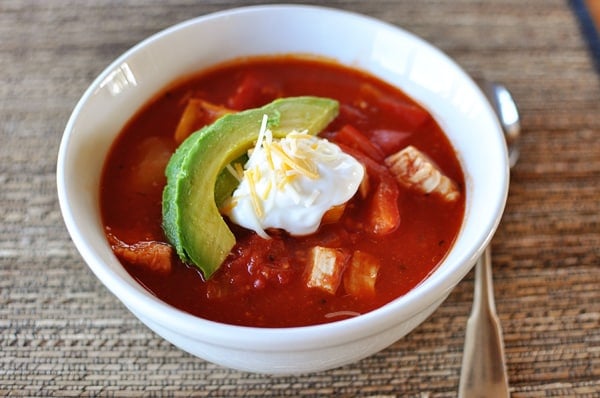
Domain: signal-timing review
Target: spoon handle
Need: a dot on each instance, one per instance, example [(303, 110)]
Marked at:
[(483, 367)]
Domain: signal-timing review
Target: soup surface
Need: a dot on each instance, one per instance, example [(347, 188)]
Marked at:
[(263, 282)]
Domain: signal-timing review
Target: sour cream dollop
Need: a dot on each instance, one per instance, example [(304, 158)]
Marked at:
[(290, 183)]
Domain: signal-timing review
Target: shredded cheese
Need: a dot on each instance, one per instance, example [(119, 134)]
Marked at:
[(239, 170), (234, 172), (251, 178), (295, 163)]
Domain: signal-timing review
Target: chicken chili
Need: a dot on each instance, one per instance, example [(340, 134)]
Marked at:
[(339, 195)]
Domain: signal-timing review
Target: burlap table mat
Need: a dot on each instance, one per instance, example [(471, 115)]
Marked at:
[(63, 334)]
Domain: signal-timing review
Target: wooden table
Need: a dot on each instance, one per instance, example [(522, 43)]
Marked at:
[(63, 334)]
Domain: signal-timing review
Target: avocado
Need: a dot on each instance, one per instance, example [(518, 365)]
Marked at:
[(196, 176)]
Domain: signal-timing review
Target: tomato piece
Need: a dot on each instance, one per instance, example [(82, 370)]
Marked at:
[(252, 92), (389, 141), (373, 168), (406, 114), (383, 215), (352, 115), (268, 262), (352, 137)]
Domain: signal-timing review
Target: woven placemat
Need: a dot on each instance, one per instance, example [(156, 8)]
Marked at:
[(63, 334)]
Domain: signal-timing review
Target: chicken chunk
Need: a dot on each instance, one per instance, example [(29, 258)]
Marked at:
[(326, 268), (361, 274), (152, 255), (414, 170)]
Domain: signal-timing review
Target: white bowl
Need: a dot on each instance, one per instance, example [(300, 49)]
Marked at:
[(389, 52)]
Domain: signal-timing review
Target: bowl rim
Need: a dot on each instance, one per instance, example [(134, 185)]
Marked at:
[(270, 339)]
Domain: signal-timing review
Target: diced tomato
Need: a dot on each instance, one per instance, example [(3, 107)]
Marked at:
[(383, 215), (352, 115), (405, 113), (373, 168), (353, 138), (256, 263), (252, 92), (268, 261), (329, 236), (389, 141)]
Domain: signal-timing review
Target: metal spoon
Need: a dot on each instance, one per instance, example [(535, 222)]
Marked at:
[(483, 371)]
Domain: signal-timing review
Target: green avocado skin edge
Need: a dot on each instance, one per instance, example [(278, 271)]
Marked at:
[(191, 218)]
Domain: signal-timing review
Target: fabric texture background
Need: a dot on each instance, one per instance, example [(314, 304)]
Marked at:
[(63, 334)]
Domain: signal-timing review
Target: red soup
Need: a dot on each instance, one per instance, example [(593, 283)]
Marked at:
[(397, 232)]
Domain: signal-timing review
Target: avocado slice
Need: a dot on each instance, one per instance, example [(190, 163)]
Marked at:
[(191, 219)]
